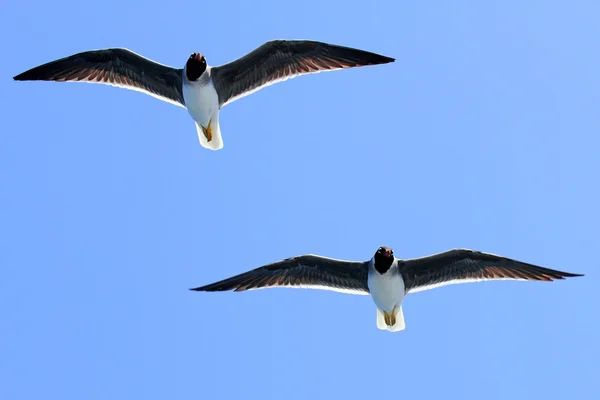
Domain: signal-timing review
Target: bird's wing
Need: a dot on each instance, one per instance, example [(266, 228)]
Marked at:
[(307, 271), (278, 60), (116, 67), (464, 266)]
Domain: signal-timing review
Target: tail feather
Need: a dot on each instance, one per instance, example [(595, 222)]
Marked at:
[(393, 321), (210, 136), (381, 320)]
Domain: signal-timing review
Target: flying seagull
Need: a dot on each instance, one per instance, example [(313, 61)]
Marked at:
[(386, 278), (201, 89)]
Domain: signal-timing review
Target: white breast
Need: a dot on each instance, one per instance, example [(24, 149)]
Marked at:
[(201, 98), (386, 290)]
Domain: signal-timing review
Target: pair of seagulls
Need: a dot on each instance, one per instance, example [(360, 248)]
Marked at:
[(386, 278), (200, 88), (203, 90)]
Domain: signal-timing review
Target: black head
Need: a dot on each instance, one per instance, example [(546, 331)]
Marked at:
[(383, 259), (195, 67)]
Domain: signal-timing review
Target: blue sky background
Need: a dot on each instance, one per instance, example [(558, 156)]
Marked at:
[(483, 134)]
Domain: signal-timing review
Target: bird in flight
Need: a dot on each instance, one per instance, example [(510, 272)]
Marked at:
[(200, 88), (386, 278)]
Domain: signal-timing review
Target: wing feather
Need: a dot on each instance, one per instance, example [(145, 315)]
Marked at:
[(307, 271), (115, 67), (278, 60), (463, 266)]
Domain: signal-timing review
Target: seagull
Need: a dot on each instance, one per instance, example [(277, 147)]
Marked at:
[(386, 278), (200, 88)]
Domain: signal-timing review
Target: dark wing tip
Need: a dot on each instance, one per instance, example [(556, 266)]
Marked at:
[(546, 274), (39, 73), (570, 275), (22, 76), (386, 60), (215, 287), (234, 283), (369, 58), (351, 54), (365, 58), (378, 60)]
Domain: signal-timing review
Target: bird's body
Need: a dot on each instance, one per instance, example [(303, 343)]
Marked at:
[(387, 291), (386, 278), (199, 87), (202, 103)]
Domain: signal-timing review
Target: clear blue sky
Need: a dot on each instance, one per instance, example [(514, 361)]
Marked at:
[(483, 134)]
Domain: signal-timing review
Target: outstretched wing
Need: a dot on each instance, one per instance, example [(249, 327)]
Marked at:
[(464, 266), (307, 271), (116, 67), (278, 60)]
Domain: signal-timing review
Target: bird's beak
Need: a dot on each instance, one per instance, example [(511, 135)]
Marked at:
[(388, 253)]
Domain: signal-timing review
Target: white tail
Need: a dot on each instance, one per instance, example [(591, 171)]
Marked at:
[(397, 320), (210, 136)]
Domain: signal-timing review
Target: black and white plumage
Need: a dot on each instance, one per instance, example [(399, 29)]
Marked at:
[(201, 89), (386, 278), (307, 271)]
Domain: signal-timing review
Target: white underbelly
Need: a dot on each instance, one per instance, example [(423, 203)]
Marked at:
[(201, 101), (386, 292)]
